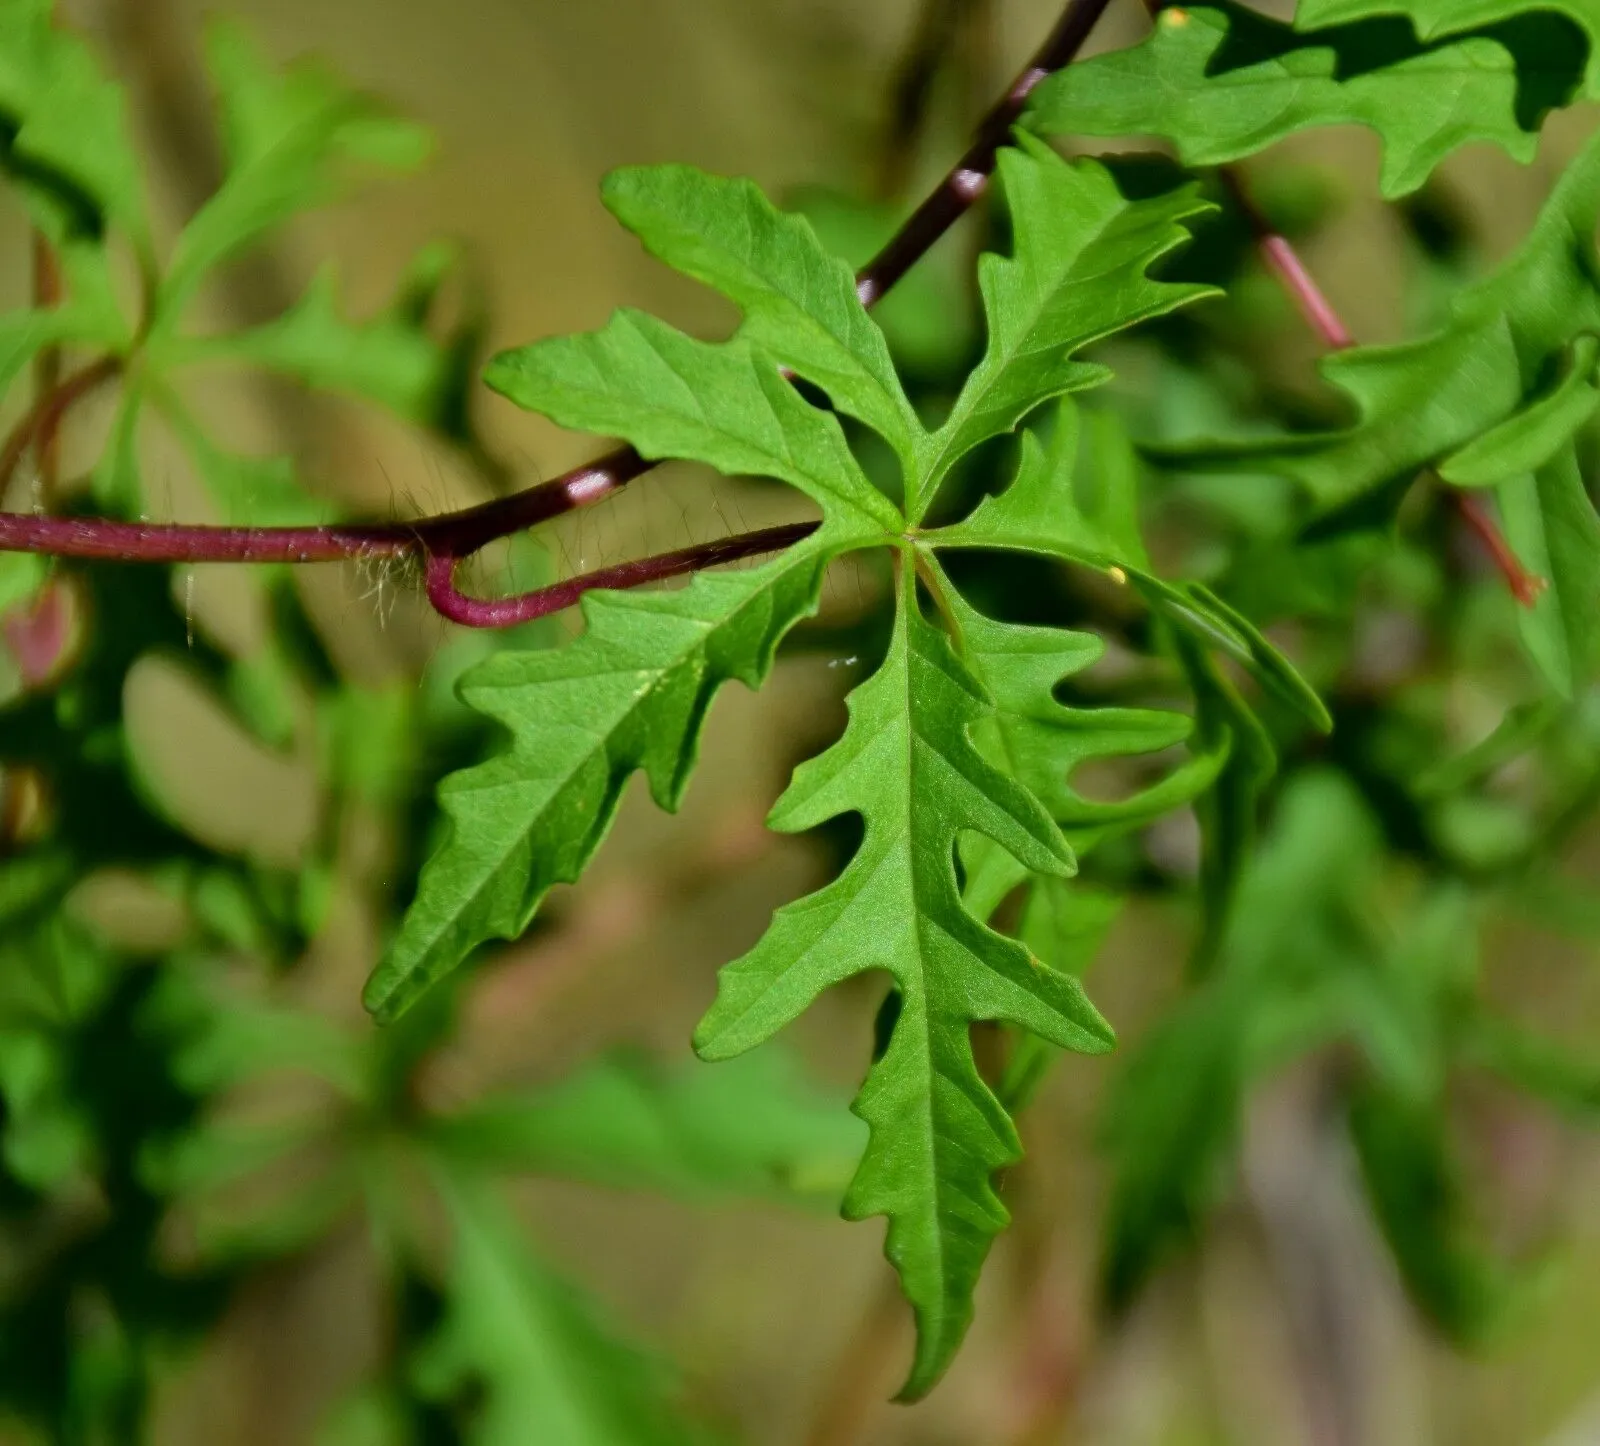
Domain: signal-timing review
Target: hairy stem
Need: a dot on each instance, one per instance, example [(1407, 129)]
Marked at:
[(444, 540), (505, 612)]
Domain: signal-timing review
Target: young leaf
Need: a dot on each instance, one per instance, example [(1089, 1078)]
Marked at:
[(1222, 82), (908, 765)]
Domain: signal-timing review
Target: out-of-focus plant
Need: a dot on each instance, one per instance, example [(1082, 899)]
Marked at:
[(1010, 794)]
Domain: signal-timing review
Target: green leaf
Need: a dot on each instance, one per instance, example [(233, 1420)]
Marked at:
[(1227, 812), (1040, 742), (1222, 82), (249, 491), (926, 319), (1194, 607), (1523, 725), (24, 334), (284, 135), (1551, 526), (526, 1353), (1528, 439), (1279, 986), (753, 1127), (799, 303), (1039, 512), (630, 694), (1537, 1066), (387, 360), (907, 763), (672, 396), (60, 113), (116, 484), (1421, 1204), (1434, 19), (1064, 922), (1105, 484), (1419, 402), (1077, 273), (1169, 1124)]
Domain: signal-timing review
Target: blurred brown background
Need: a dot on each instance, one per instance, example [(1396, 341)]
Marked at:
[(779, 1319)]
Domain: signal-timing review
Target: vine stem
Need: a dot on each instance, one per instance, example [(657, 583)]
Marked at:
[(443, 541), (506, 612)]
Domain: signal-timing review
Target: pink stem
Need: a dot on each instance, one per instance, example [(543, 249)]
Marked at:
[(1284, 262)]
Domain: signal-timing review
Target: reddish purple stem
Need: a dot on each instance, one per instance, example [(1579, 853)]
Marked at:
[(507, 611), (445, 540), (969, 177)]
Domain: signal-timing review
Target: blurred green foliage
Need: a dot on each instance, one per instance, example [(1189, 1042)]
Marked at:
[(1087, 650)]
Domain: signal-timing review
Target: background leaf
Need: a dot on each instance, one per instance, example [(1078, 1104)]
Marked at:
[(1222, 82)]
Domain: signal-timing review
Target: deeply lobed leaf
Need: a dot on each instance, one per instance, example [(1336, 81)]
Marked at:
[(672, 396), (1077, 273), (1422, 401), (631, 694), (1437, 18), (799, 302), (908, 765), (284, 135), (1222, 82)]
